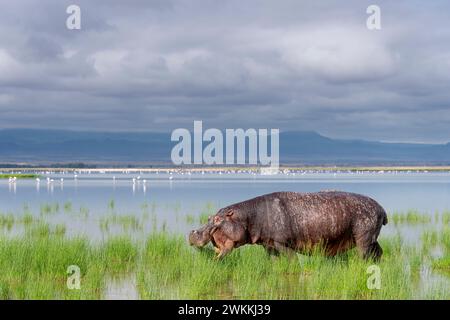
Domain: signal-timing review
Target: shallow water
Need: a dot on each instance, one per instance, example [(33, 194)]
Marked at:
[(169, 197), (88, 201), (121, 288)]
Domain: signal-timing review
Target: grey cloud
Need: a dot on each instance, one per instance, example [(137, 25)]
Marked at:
[(293, 65)]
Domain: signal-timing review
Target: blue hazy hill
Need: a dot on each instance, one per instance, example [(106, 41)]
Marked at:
[(51, 146)]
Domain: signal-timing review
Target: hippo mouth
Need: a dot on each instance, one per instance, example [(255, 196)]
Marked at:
[(193, 238)]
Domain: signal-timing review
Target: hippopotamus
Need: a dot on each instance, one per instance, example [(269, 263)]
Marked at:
[(289, 221), (211, 233)]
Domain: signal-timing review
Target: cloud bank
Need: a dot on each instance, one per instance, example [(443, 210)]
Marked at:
[(294, 65)]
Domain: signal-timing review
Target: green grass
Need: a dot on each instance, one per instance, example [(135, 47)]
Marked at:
[(68, 207), (172, 270), (49, 208), (111, 205), (439, 239), (19, 176), (34, 265), (442, 265), (127, 222), (7, 221), (412, 217), (209, 209), (446, 217), (43, 229), (190, 219)]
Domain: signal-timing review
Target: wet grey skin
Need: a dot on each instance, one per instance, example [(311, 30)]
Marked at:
[(288, 222)]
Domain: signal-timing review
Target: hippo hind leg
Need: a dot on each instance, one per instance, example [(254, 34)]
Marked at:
[(366, 236), (374, 252), (370, 251)]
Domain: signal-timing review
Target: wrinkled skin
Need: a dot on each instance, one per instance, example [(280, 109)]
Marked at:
[(218, 237), (289, 221)]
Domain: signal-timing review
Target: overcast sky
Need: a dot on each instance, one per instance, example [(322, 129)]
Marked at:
[(288, 64)]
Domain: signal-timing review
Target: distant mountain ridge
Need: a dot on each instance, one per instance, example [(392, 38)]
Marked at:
[(299, 147)]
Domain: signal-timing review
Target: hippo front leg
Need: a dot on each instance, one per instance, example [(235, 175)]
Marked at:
[(283, 249), (271, 251), (225, 249)]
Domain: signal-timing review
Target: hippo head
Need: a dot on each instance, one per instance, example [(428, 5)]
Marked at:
[(201, 236)]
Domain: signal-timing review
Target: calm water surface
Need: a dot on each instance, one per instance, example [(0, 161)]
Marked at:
[(169, 198)]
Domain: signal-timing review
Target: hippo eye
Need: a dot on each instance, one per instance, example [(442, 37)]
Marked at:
[(229, 213)]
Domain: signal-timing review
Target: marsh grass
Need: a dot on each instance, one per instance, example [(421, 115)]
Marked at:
[(43, 229), (49, 209), (68, 207), (84, 212), (170, 269), (442, 265), (446, 218), (412, 217), (34, 265), (111, 205), (190, 219), (208, 209), (127, 222), (7, 221), (440, 239)]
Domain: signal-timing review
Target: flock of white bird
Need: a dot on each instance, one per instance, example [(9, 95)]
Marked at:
[(137, 181)]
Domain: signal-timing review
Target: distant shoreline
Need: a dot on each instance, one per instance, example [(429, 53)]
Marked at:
[(223, 168)]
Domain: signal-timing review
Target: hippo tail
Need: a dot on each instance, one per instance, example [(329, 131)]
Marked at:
[(385, 219)]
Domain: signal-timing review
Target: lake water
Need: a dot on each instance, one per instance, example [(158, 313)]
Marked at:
[(175, 200)]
